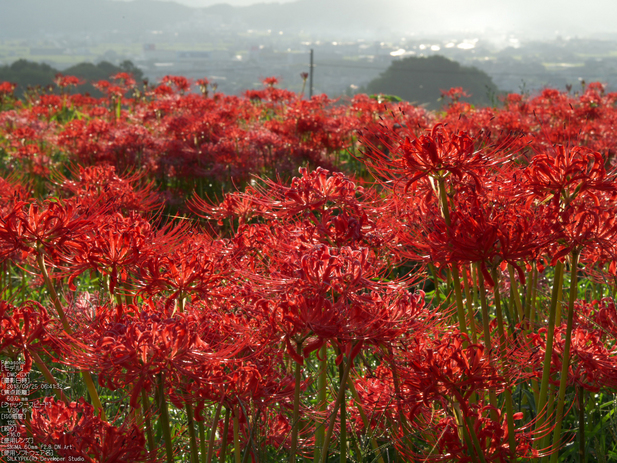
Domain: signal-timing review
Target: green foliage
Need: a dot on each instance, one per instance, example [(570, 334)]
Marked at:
[(91, 72), (421, 81), (26, 74)]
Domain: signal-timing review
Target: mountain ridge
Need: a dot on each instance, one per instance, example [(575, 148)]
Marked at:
[(25, 18)]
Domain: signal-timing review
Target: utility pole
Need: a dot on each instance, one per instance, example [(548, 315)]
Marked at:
[(311, 77)]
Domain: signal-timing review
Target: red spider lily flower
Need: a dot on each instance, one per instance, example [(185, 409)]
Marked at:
[(341, 271), (24, 330), (125, 79), (582, 225), (47, 228), (377, 395), (101, 185), (492, 438), (74, 431), (454, 94), (98, 141), (237, 204), (179, 83), (197, 267), (117, 245), (314, 314), (383, 317), (67, 81), (130, 345), (489, 229), (110, 90), (331, 207), (593, 357), (445, 368), (593, 363), (270, 81), (565, 173), (315, 189), (203, 81), (434, 154), (279, 429), (603, 316), (6, 89), (203, 86), (12, 191), (256, 381)]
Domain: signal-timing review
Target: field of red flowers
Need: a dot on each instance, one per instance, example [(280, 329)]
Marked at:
[(198, 277)]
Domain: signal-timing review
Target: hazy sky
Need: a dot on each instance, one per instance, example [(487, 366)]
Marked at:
[(199, 3), (545, 17)]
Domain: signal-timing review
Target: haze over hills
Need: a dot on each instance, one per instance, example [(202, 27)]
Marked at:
[(27, 18), (347, 18)]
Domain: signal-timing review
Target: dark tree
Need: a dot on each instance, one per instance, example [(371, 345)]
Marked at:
[(422, 80)]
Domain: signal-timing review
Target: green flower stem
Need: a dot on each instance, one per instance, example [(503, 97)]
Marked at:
[(552, 393), (117, 296), (339, 398), (322, 378), (192, 436), (565, 364), (164, 414), (52, 293), (356, 446), (475, 440), (180, 302), (96, 402), (212, 437), (203, 450), (343, 419), (356, 397), (128, 297), (397, 390), (498, 313), (448, 290), (487, 342), (541, 404), (581, 425), (463, 432), (528, 290), (225, 432), (145, 407), (456, 279), (49, 377), (237, 450), (433, 271), (459, 299), (296, 407), (533, 299), (470, 311), (559, 302), (249, 446), (503, 351), (516, 295)]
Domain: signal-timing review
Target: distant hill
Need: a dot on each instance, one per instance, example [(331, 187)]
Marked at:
[(421, 81), (28, 74)]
